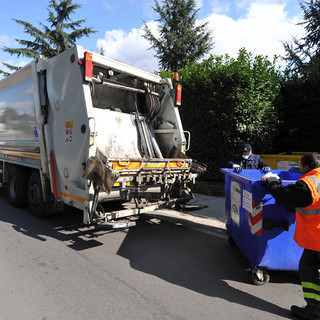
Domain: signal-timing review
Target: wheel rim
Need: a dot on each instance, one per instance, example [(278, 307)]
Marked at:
[(257, 281)]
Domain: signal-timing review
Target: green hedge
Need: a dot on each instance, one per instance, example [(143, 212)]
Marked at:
[(226, 101), (299, 110)]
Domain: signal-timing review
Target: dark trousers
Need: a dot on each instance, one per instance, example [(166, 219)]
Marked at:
[(309, 272)]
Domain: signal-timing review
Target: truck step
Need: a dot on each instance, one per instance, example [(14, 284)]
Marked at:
[(116, 225)]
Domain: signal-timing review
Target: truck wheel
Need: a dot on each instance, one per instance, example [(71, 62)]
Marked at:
[(17, 186), (37, 206)]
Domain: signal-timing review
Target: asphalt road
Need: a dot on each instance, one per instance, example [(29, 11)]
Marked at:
[(59, 269)]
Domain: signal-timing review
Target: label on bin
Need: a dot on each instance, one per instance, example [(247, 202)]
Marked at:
[(235, 197), (247, 200)]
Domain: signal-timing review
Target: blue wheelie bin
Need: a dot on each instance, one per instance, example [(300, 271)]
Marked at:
[(257, 225)]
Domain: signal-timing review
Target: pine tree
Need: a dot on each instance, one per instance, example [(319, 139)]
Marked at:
[(303, 54), (61, 34), (180, 37)]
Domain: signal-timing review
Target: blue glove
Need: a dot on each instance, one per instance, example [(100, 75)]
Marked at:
[(266, 169), (238, 169)]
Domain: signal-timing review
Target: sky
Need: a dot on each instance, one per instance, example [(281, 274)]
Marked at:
[(260, 26)]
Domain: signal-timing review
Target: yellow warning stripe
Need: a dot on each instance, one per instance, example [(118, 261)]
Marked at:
[(72, 197), (136, 165), (117, 184), (177, 164), (154, 165), (130, 165), (21, 154), (172, 164)]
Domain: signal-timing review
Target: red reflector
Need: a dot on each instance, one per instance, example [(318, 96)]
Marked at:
[(178, 95), (88, 68), (53, 176)]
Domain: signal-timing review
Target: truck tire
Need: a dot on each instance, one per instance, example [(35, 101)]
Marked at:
[(17, 186), (37, 206)]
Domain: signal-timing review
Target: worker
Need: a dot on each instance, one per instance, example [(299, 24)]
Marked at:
[(304, 197), (247, 160)]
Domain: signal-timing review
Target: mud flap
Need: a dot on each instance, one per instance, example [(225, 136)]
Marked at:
[(100, 175)]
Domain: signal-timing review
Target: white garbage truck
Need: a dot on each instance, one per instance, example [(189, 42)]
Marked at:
[(81, 129)]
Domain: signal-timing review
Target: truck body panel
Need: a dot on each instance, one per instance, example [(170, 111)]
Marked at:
[(55, 118)]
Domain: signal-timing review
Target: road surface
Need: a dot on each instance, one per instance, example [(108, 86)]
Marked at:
[(59, 269)]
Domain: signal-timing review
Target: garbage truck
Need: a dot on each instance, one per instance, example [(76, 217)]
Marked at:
[(81, 130)]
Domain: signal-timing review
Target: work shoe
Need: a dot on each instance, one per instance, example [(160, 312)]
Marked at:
[(304, 313)]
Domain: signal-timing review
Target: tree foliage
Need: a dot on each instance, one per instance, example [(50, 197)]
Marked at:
[(303, 55), (61, 34), (226, 101), (180, 37), (299, 112), (300, 96)]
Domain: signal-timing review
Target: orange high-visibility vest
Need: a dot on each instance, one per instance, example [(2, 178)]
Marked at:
[(307, 234)]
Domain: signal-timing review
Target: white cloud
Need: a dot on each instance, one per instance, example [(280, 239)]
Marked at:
[(130, 47), (261, 31), (109, 5), (220, 8), (18, 63), (199, 4), (242, 4), (5, 40)]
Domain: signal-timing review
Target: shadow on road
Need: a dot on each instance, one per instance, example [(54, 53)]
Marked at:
[(66, 227), (192, 259), (195, 260)]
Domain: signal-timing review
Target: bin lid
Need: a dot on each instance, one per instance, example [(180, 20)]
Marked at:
[(253, 176)]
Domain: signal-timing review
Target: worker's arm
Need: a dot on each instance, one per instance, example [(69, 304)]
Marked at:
[(236, 160), (292, 195), (261, 163)]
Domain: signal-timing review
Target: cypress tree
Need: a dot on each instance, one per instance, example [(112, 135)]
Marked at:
[(180, 37)]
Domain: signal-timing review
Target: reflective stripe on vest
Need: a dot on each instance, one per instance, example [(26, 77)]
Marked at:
[(308, 212), (311, 290)]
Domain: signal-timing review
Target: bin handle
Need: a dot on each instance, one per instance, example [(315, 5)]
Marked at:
[(269, 224)]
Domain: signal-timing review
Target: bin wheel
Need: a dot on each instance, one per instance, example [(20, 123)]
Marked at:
[(260, 277), (231, 241)]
